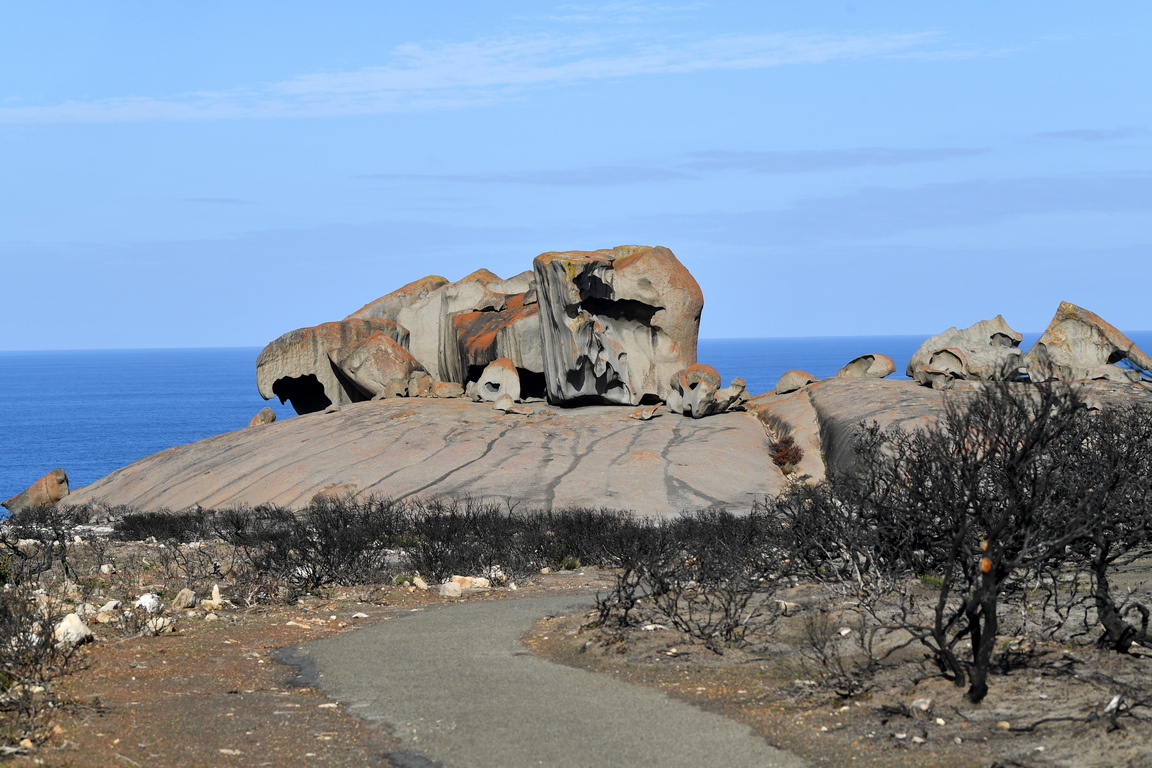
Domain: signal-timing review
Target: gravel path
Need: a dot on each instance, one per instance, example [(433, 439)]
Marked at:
[(458, 689)]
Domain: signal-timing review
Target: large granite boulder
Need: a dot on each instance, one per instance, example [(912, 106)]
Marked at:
[(296, 367), (617, 324), (790, 381), (428, 320), (388, 307), (43, 493), (1079, 344), (986, 351), (375, 363)]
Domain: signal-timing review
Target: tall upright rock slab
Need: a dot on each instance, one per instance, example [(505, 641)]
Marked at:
[(616, 324)]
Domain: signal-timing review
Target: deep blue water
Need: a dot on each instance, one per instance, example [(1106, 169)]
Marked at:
[(94, 411)]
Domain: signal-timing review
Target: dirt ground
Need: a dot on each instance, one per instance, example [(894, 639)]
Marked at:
[(211, 693)]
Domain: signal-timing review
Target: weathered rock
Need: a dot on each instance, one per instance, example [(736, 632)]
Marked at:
[(506, 404), (478, 338), (158, 625), (44, 492), (184, 600), (500, 378), (149, 602), (419, 583), (1079, 344), (521, 283), (447, 389), (297, 369), (697, 392), (616, 324), (71, 631), (374, 363), (590, 457), (392, 388), (792, 415), (985, 351), (472, 582), (420, 384), (265, 416), (429, 322), (451, 589), (215, 602), (107, 569), (871, 366), (388, 307), (645, 414), (791, 381)]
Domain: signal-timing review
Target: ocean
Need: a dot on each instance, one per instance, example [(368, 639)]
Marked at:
[(94, 411)]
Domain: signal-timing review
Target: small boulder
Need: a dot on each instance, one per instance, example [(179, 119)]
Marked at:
[(500, 378), (149, 602), (472, 582), (871, 366), (645, 414), (451, 589), (419, 583), (420, 384), (265, 416), (506, 404), (158, 625), (44, 492), (184, 600), (794, 380), (447, 389), (71, 631)]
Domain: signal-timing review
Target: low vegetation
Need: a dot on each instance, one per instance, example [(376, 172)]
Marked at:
[(1017, 521)]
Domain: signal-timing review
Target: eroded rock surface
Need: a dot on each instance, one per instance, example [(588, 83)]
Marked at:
[(499, 379), (44, 492), (616, 324), (389, 306), (1079, 344), (986, 351), (696, 392), (296, 367), (593, 456), (790, 381)]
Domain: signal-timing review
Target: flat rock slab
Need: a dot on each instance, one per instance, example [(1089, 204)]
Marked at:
[(458, 689), (593, 457)]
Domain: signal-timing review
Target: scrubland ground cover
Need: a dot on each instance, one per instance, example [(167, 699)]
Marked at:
[(970, 594)]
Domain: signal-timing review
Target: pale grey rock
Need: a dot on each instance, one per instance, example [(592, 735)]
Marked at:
[(499, 379), (451, 589), (419, 583), (791, 381), (617, 324), (521, 283), (870, 366), (184, 600), (158, 625), (1080, 345), (645, 414), (506, 404), (447, 389), (698, 392), (985, 351)]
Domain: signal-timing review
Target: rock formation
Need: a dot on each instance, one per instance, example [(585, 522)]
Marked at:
[(874, 366), (1079, 344), (616, 324), (44, 492), (986, 351), (498, 380), (374, 363), (297, 368), (388, 307), (696, 392), (791, 381)]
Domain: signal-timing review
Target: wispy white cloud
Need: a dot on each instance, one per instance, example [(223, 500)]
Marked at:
[(421, 77)]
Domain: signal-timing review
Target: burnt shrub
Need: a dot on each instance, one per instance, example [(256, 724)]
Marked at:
[(37, 538), (165, 526)]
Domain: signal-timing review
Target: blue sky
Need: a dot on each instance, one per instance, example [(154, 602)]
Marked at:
[(217, 174)]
